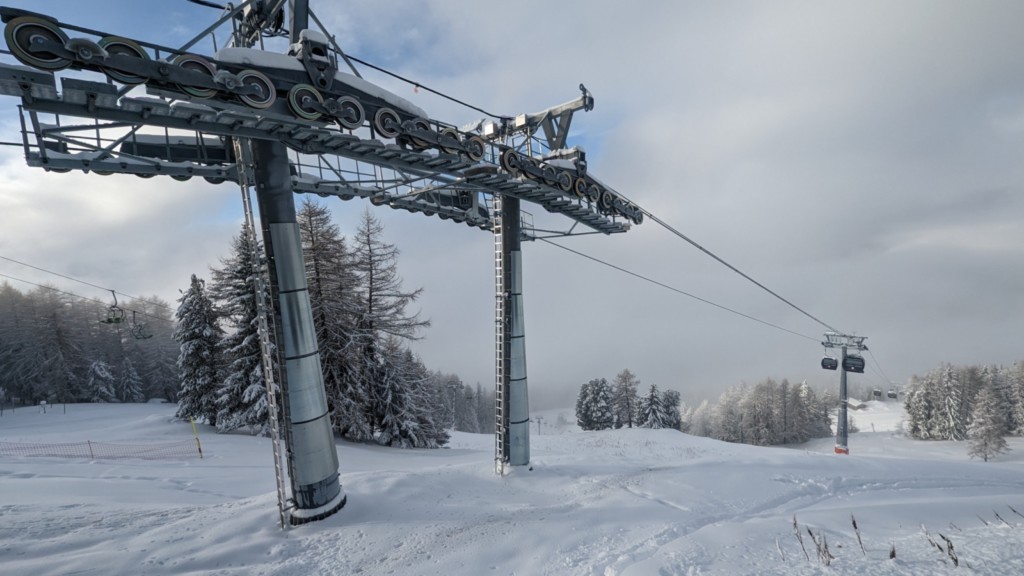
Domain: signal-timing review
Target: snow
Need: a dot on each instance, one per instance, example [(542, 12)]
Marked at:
[(616, 502)]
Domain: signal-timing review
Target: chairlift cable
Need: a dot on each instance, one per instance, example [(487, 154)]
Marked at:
[(86, 298), (428, 89), (684, 293), (879, 366), (731, 267), (157, 304)]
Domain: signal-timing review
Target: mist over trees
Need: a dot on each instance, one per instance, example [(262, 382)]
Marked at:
[(205, 353), (58, 347)]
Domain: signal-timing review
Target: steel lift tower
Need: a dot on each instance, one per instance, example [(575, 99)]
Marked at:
[(847, 363), (294, 122)]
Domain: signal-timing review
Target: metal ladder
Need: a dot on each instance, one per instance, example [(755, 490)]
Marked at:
[(243, 156), (501, 339)]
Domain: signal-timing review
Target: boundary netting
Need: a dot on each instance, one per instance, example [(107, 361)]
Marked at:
[(99, 450)]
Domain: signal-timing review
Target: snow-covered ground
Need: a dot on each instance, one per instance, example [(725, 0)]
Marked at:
[(593, 503)]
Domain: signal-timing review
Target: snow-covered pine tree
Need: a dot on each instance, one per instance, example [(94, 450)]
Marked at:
[(624, 398), (199, 360), (670, 404), (242, 399), (919, 407), (997, 379), (987, 427), (950, 423), (100, 383), (485, 409), (129, 385), (336, 306), (651, 413), (593, 405), (403, 403), (1015, 381), (466, 418)]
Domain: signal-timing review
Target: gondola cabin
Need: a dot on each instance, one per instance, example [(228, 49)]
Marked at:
[(854, 364), (829, 363)]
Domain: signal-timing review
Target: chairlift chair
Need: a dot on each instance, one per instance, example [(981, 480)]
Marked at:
[(139, 330), (115, 314)]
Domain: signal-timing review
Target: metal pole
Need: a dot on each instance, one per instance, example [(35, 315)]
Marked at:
[(519, 404), (299, 18), (313, 457), (841, 427)]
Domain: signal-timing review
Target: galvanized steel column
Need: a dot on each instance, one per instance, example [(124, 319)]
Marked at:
[(841, 422), (313, 457), (519, 403)]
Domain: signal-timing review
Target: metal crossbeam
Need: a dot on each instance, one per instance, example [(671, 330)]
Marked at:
[(94, 101)]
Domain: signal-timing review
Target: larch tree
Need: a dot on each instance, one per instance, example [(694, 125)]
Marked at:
[(624, 398), (334, 299), (199, 359), (380, 314)]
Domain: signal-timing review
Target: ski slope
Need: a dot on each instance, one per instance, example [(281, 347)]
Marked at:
[(625, 502)]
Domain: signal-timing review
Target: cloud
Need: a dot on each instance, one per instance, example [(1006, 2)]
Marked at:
[(860, 159)]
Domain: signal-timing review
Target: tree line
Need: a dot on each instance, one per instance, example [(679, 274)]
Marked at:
[(377, 388), (766, 414), (601, 405), (981, 404), (58, 347)]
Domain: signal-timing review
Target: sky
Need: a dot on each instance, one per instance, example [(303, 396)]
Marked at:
[(863, 160)]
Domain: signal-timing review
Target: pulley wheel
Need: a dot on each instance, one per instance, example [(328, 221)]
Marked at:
[(579, 186), (181, 177), (532, 162), (475, 147), (449, 140), (564, 181), (262, 93), (418, 143), (594, 193), (387, 123), (638, 216), (116, 46), (350, 113), (606, 200), (301, 99), (23, 32), (196, 64), (510, 161), (550, 175)]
